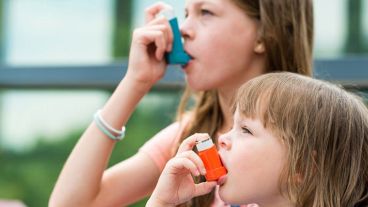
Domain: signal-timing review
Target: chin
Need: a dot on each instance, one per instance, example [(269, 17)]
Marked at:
[(230, 197), (225, 195), (196, 86)]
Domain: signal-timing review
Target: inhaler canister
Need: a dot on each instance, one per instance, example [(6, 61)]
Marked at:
[(177, 55), (208, 153)]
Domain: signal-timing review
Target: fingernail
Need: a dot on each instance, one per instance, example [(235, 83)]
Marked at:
[(203, 170)]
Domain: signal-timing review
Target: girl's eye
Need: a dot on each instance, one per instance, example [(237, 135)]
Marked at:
[(205, 12), (246, 130)]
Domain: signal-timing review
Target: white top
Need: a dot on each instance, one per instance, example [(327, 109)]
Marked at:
[(168, 13), (204, 144)]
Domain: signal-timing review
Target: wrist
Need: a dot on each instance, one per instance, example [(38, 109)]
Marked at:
[(153, 202), (136, 84)]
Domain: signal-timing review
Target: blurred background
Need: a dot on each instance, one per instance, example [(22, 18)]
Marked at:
[(60, 61)]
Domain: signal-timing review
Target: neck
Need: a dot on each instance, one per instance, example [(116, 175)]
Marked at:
[(279, 203), (227, 92), (276, 200), (226, 99)]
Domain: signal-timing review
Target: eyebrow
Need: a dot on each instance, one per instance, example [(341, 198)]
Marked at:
[(198, 4)]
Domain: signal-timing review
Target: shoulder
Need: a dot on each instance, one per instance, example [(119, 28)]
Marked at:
[(162, 146), (173, 132)]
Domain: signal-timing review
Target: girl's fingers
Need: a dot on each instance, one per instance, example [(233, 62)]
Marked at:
[(155, 33), (165, 26), (192, 156), (181, 162), (204, 188), (190, 142), (166, 30), (145, 38), (160, 43), (153, 10)]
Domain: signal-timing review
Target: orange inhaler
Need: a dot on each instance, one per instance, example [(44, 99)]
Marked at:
[(208, 153)]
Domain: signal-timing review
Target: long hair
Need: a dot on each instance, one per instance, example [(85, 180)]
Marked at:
[(325, 131), (286, 30)]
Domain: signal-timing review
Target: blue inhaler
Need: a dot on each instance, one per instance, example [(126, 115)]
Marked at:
[(177, 55)]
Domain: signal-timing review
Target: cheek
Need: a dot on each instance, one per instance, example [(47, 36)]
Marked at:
[(239, 177), (240, 162), (226, 48), (229, 45), (250, 163), (239, 52), (223, 57), (223, 61)]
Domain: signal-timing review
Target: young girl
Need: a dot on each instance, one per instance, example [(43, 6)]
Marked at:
[(295, 141), (230, 42)]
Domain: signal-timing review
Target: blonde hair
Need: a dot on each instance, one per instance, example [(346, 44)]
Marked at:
[(286, 30), (325, 130)]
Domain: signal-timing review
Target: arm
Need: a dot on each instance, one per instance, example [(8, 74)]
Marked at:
[(81, 177), (82, 181)]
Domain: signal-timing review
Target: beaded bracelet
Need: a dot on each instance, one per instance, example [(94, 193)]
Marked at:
[(109, 131)]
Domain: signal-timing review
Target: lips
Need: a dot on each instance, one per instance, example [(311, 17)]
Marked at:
[(222, 160), (222, 180), (190, 55), (191, 59)]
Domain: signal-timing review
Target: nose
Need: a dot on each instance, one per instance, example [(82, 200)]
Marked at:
[(225, 141), (186, 29)]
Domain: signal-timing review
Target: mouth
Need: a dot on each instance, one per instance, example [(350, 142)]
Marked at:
[(187, 64), (191, 59), (222, 180), (222, 160), (188, 53)]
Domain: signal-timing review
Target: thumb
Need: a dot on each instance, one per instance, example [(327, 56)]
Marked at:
[(204, 188)]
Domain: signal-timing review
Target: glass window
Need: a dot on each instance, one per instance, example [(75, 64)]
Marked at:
[(365, 23), (57, 32), (330, 27), (26, 115)]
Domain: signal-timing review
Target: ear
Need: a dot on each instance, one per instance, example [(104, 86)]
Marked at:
[(259, 47), (299, 177)]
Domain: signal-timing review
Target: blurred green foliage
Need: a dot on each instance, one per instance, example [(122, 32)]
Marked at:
[(2, 45), (30, 176), (122, 28), (355, 42)]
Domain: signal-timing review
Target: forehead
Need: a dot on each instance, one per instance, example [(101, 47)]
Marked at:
[(205, 2), (239, 116)]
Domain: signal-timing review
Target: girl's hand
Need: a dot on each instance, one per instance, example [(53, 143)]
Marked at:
[(149, 43), (176, 184)]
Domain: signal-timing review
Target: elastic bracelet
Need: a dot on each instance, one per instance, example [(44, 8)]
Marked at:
[(109, 131)]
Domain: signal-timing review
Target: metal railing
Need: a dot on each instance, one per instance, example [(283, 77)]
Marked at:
[(349, 72)]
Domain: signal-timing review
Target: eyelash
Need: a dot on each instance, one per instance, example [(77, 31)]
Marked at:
[(201, 11), (246, 130), (205, 12)]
